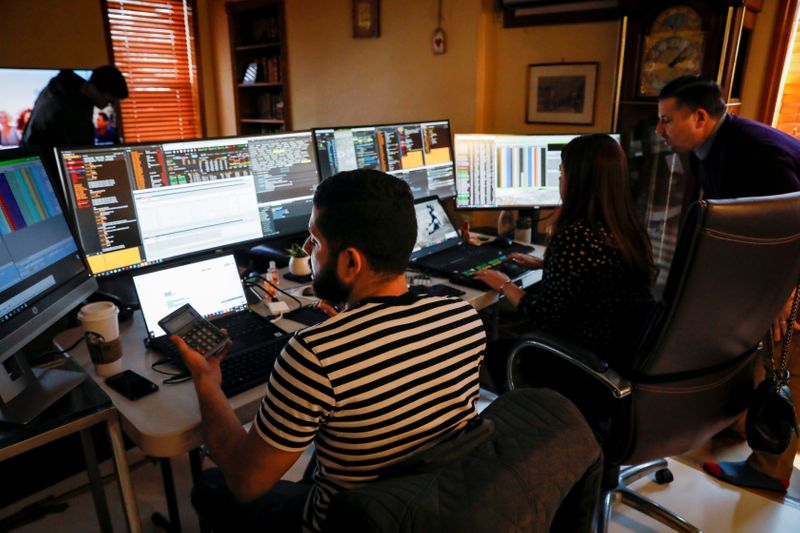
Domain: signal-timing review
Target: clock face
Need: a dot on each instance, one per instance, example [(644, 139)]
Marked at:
[(674, 47)]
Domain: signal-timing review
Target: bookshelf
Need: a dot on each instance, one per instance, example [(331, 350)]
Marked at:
[(258, 58)]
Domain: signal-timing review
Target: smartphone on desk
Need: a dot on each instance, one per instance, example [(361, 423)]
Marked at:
[(200, 334), (131, 385)]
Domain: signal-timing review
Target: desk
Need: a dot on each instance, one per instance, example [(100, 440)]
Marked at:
[(82, 408), (167, 423)]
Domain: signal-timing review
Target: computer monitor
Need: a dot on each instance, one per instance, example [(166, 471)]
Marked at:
[(419, 153), (509, 171), (42, 276), (140, 204), (19, 88)]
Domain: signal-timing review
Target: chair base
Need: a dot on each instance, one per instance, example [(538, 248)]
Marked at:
[(638, 502)]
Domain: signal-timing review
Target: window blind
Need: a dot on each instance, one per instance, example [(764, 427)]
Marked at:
[(153, 45)]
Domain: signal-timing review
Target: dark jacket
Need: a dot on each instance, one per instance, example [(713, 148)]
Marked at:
[(61, 116), (748, 159), (538, 470)]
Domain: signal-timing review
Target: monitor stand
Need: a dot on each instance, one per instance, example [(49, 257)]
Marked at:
[(120, 291), (25, 392), (534, 215)]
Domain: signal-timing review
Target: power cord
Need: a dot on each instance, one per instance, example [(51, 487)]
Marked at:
[(262, 278), (65, 351)]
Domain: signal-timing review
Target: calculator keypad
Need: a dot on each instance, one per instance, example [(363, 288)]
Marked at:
[(204, 339)]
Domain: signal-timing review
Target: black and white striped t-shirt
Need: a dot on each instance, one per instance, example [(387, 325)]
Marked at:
[(372, 386)]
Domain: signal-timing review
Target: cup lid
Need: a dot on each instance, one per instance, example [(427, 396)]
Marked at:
[(98, 311)]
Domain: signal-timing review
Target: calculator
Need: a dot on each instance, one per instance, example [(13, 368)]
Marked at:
[(200, 334)]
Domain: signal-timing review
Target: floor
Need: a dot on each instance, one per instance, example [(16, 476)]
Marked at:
[(708, 504)]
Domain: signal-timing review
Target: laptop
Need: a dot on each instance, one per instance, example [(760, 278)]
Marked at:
[(441, 250), (212, 286)]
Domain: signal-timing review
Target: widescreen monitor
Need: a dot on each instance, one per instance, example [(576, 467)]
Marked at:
[(137, 205), (419, 153), (19, 88), (509, 171), (42, 276)]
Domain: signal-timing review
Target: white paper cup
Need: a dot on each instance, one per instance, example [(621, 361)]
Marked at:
[(100, 318)]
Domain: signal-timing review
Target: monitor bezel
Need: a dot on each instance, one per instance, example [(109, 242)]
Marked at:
[(410, 122), (233, 247), (526, 207), (33, 388)]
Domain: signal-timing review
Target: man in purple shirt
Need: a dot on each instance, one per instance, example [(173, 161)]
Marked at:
[(733, 157)]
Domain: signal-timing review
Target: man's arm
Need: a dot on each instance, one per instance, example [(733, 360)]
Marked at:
[(250, 465)]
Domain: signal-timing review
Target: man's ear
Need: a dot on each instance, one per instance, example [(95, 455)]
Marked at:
[(702, 118), (350, 263)]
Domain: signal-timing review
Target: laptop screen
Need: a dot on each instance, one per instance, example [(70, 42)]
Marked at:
[(433, 225), (211, 286)]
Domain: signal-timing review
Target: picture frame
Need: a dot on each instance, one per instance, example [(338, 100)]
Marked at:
[(366, 19), (561, 93)]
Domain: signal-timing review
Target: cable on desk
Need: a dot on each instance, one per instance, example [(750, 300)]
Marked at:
[(262, 278), (174, 377), (65, 351)]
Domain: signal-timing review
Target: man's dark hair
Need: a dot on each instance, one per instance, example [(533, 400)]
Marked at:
[(370, 211), (104, 115), (695, 92), (108, 79)]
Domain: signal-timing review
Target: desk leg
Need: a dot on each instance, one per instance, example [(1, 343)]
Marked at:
[(196, 465), (173, 522), (96, 482), (123, 475)]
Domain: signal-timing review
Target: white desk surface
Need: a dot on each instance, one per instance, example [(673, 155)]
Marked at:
[(167, 422)]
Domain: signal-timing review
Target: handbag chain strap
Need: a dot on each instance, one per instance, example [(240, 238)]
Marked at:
[(780, 374)]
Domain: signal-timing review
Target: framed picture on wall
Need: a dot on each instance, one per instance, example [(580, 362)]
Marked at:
[(366, 18), (561, 93)]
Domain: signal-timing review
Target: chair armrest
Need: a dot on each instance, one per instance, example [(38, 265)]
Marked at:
[(586, 360)]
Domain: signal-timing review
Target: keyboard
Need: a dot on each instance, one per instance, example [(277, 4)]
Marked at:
[(241, 370), (244, 370)]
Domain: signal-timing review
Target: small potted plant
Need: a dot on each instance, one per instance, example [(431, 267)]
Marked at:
[(299, 261), (522, 232)]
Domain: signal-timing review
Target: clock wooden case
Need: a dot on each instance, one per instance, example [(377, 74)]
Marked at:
[(660, 41)]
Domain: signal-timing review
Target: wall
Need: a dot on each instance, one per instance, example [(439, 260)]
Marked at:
[(337, 80), (52, 34), (516, 48), (479, 84)]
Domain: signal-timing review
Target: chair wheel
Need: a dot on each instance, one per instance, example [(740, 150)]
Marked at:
[(664, 476)]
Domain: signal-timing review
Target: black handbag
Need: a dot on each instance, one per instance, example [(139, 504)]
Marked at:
[(771, 418)]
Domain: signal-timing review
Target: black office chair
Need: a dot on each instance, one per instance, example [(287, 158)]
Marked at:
[(532, 465), (736, 263)]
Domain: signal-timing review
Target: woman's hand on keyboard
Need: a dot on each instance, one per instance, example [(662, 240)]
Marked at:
[(528, 261), (198, 365)]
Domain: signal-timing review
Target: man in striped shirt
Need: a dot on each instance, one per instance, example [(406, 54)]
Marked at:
[(390, 376)]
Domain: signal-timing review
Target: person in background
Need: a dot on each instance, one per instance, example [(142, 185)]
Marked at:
[(391, 375), (104, 132), (8, 133), (598, 268), (22, 120), (733, 157), (63, 112)]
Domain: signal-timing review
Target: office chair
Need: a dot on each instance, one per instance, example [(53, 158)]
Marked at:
[(692, 374), (531, 465)]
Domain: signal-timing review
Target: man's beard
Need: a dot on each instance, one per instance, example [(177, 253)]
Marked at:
[(327, 285)]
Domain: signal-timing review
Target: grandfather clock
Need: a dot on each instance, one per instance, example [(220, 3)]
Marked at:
[(659, 41)]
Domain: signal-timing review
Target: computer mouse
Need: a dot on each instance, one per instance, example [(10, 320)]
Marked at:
[(501, 242)]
